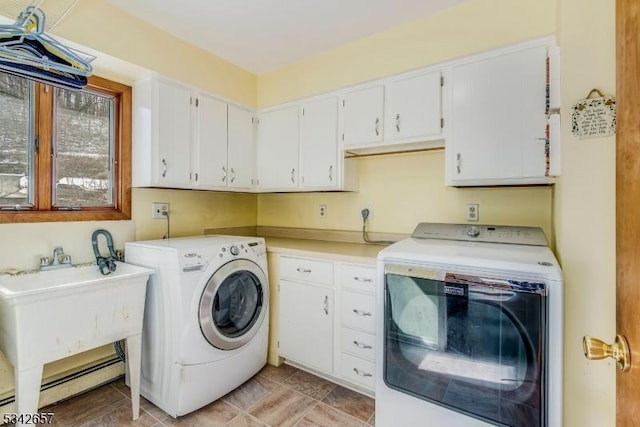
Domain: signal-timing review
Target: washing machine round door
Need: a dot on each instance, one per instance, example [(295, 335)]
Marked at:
[(233, 304)]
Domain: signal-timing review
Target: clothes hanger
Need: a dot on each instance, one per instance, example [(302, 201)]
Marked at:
[(25, 50)]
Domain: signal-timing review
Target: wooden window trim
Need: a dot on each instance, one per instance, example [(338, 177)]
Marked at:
[(43, 211)]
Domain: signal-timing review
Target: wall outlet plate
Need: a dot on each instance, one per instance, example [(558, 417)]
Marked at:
[(322, 211), (157, 210), (473, 212)]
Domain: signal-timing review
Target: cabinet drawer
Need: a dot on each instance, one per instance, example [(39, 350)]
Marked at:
[(359, 371), (358, 311), (308, 270), (359, 277), (359, 343)]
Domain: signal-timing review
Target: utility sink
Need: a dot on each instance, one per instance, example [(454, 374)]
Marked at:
[(49, 315)]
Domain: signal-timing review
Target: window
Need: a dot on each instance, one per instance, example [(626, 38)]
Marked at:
[(65, 155)]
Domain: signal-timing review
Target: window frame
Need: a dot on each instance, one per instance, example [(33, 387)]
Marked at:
[(43, 209)]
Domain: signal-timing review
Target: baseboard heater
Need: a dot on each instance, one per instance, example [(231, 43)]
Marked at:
[(72, 384)]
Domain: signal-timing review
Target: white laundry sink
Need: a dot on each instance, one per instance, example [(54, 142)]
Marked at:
[(49, 315)]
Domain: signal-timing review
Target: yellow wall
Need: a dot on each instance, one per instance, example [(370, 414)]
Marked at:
[(191, 211), (585, 213), (471, 27), (405, 190), (402, 190)]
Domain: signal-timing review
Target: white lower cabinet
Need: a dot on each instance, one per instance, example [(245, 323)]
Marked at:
[(306, 324), (327, 318)]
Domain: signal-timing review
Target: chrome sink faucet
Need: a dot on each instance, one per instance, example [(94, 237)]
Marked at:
[(58, 260)]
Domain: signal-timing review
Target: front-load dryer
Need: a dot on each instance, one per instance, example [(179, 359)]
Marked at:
[(206, 319)]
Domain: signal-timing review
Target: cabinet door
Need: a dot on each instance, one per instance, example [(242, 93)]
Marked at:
[(306, 325), (413, 107), (498, 118), (241, 148), (278, 137), (173, 137), (319, 144), (363, 111), (210, 154)]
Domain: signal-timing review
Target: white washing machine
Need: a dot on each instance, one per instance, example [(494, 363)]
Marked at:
[(206, 319)]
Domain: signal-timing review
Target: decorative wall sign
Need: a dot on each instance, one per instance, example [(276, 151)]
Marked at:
[(594, 117)]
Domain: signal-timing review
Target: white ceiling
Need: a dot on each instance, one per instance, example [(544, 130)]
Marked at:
[(262, 35)]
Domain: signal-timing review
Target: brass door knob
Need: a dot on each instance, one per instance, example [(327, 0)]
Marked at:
[(596, 349)]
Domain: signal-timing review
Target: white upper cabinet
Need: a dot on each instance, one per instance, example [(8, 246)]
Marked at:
[(241, 148), (161, 134), (210, 144), (319, 144), (413, 108), (363, 111), (277, 149), (498, 120), (186, 138)]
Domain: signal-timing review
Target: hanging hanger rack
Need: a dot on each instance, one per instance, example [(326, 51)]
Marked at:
[(27, 51)]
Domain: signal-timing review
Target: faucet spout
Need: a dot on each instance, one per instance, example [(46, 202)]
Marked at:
[(58, 260), (57, 253)]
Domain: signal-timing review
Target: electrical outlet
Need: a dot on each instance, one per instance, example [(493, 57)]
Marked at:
[(368, 213), (473, 212), (322, 211), (157, 210)]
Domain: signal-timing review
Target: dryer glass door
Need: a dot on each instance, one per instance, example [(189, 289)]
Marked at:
[(475, 345), (233, 304)]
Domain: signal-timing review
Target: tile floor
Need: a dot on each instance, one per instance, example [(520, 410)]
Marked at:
[(282, 396)]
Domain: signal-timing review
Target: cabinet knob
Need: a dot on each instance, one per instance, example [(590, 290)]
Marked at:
[(398, 122), (224, 174), (331, 173), (458, 162), (377, 126), (293, 175), (233, 175), (326, 305), (164, 168)]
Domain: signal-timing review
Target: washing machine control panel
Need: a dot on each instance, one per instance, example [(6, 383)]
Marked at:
[(253, 248)]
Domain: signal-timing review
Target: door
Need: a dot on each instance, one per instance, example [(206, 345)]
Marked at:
[(278, 138), (319, 144), (413, 107), (233, 304), (210, 153), (241, 148), (628, 204), (627, 224), (363, 110), (306, 325), (173, 134)]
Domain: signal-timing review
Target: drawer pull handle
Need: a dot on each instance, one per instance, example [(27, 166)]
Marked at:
[(362, 373), (362, 279), (363, 346), (326, 304), (362, 313), (303, 270)]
